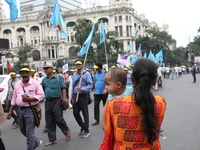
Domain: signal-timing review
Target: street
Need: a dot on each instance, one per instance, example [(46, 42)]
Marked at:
[(180, 127)]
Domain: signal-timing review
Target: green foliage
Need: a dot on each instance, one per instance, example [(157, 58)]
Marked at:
[(156, 40), (97, 52), (24, 52)]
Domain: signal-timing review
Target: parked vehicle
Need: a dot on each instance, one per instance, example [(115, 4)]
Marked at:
[(4, 86)]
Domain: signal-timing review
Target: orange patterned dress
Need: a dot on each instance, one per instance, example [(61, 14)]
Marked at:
[(123, 125)]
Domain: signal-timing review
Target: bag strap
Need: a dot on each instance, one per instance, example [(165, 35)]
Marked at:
[(58, 80), (76, 82), (25, 92)]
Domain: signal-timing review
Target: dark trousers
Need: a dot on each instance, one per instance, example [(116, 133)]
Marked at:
[(97, 99), (8, 105), (27, 127), (54, 116), (82, 105), (160, 81), (194, 77), (2, 147)]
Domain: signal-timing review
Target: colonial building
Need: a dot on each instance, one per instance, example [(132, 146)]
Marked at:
[(48, 46)]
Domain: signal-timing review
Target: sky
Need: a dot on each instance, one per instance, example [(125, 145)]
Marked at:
[(182, 16)]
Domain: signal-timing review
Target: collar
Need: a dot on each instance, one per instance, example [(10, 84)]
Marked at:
[(29, 82)]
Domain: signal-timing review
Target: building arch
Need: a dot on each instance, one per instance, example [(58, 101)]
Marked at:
[(7, 31), (72, 54), (35, 28), (36, 55), (21, 29), (105, 20), (71, 24)]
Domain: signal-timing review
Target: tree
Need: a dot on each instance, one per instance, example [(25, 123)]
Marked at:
[(23, 53), (156, 40), (96, 52)]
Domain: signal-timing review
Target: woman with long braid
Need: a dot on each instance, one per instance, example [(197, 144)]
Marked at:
[(134, 122)]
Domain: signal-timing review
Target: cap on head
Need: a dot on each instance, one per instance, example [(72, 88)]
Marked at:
[(95, 67), (125, 69), (12, 73), (48, 65), (78, 62), (32, 70), (24, 69)]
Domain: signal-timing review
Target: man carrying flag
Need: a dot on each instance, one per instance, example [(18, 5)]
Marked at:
[(57, 20)]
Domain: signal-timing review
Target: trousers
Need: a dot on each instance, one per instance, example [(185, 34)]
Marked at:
[(53, 117), (27, 127), (97, 99), (82, 105)]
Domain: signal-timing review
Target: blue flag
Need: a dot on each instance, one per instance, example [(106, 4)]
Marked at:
[(102, 33), (13, 9), (159, 57), (57, 20), (139, 50), (151, 56), (129, 46), (145, 55), (87, 43)]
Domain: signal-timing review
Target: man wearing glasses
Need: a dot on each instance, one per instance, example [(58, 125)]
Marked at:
[(27, 91)]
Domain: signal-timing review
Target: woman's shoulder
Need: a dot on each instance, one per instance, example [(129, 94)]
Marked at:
[(159, 99)]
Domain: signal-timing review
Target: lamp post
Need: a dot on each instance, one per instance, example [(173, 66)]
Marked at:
[(133, 41)]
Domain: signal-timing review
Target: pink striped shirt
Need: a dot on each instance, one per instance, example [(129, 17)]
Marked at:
[(32, 89)]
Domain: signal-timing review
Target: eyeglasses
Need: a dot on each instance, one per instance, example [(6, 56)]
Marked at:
[(46, 68)]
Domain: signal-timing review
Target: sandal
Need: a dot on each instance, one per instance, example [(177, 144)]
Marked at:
[(50, 143), (68, 135)]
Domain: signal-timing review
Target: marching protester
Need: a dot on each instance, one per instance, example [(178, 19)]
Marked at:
[(82, 84), (55, 95), (33, 74), (100, 93), (26, 91), (11, 84), (137, 116)]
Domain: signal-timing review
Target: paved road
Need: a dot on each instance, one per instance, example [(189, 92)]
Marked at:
[(180, 127)]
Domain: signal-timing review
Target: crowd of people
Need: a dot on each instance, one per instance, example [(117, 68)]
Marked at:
[(132, 115)]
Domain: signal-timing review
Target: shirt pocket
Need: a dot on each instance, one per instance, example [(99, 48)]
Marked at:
[(54, 85)]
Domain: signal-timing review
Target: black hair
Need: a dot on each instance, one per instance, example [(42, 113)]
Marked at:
[(99, 65), (118, 75), (144, 74)]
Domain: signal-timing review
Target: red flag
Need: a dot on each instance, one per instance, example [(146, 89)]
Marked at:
[(9, 66)]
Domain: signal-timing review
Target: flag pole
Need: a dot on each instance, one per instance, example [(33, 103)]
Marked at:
[(106, 52)]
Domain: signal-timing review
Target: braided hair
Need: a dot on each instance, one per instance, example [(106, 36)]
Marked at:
[(144, 74)]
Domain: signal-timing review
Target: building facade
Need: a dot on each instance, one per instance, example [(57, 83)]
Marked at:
[(48, 46)]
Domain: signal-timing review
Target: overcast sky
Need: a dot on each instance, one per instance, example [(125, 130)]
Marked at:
[(182, 16)]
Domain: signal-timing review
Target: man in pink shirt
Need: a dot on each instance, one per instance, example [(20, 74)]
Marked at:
[(25, 91)]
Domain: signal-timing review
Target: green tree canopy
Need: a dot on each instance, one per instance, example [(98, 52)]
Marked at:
[(23, 53), (96, 52)]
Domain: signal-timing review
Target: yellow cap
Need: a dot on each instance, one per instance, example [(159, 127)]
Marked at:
[(87, 69), (125, 69), (78, 63), (113, 67), (25, 69), (95, 67), (54, 70), (32, 70), (12, 73)]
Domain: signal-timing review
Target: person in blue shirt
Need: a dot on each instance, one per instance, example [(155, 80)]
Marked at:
[(81, 86), (100, 93)]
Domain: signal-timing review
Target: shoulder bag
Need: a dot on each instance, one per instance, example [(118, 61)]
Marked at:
[(36, 110)]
